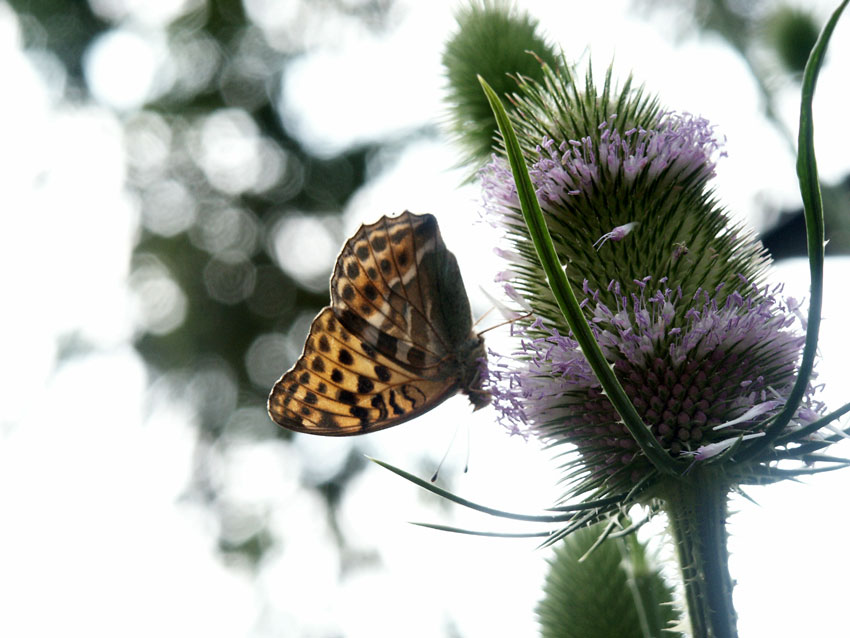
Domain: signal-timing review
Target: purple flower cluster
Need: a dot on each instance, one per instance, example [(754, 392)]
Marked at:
[(696, 382), (680, 148)]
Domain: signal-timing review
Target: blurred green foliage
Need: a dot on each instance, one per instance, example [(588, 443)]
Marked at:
[(792, 33), (773, 38), (215, 245)]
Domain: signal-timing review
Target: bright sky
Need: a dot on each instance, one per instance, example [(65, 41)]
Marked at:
[(96, 539)]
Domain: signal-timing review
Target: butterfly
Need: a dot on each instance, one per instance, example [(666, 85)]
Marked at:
[(396, 341)]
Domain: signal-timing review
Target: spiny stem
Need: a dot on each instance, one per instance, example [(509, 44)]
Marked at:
[(696, 507)]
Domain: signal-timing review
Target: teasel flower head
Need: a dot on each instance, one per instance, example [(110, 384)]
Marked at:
[(674, 291)]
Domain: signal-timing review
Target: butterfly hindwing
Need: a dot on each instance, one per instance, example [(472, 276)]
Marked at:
[(341, 385)]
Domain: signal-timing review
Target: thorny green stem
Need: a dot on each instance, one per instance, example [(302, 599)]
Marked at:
[(696, 507)]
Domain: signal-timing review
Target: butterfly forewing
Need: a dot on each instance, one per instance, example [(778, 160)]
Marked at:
[(379, 290), (396, 340)]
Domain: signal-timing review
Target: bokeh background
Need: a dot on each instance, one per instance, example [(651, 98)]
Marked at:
[(176, 178)]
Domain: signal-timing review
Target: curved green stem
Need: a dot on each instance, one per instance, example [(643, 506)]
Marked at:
[(807, 172)]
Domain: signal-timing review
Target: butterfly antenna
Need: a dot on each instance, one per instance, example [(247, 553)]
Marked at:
[(445, 455), (481, 318), (505, 323)]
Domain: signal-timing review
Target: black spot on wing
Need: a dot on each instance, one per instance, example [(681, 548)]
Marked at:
[(368, 350), (378, 404), (364, 385), (346, 397), (345, 357), (382, 373), (328, 422), (412, 394), (360, 413), (324, 344), (397, 409)]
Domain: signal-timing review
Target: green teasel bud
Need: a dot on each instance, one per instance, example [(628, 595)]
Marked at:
[(612, 589), (498, 42), (792, 32)]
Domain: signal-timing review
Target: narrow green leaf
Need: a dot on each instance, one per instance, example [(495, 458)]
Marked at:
[(566, 299), (827, 458), (807, 173), (544, 518), (806, 471), (576, 507), (472, 532), (814, 426)]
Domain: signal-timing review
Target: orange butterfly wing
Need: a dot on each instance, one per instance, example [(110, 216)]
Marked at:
[(341, 385), (396, 341), (380, 290)]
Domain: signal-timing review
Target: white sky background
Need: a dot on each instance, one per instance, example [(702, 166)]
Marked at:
[(94, 537)]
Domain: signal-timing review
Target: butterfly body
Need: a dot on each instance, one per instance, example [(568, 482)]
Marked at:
[(396, 341)]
